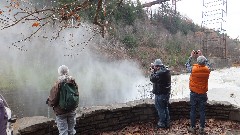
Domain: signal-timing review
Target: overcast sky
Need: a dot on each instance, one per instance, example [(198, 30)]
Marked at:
[(193, 9)]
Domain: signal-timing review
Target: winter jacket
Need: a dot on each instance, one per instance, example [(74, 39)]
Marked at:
[(4, 101), (189, 65), (3, 116), (161, 80), (198, 81), (53, 99)]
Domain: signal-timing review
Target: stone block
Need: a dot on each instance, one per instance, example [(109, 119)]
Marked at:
[(32, 124), (234, 115), (149, 111), (99, 117)]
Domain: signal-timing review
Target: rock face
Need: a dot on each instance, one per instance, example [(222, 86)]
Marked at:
[(106, 118)]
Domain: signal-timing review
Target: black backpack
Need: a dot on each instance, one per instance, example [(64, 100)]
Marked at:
[(69, 96)]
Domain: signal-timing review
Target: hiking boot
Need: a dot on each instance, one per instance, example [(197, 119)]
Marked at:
[(168, 126), (201, 131), (192, 130), (163, 126)]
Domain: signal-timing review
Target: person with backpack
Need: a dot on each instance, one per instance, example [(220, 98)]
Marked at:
[(161, 79), (3, 116), (64, 98), (198, 85)]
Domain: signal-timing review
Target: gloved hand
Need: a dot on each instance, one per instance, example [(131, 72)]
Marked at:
[(47, 101), (199, 53), (151, 68), (192, 53)]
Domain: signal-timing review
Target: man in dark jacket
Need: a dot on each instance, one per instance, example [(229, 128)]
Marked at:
[(65, 119), (161, 79)]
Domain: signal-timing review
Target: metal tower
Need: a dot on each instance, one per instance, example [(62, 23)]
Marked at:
[(174, 4), (213, 24), (149, 4)]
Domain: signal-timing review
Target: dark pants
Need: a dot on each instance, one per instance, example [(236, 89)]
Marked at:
[(3, 119), (199, 100), (161, 104)]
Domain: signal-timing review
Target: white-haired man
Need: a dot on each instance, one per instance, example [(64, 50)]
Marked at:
[(198, 85), (65, 118)]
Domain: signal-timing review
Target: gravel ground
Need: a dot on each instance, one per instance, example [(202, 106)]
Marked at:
[(179, 127)]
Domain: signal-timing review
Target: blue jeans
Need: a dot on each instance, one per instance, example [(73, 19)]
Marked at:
[(66, 123), (161, 104), (199, 100)]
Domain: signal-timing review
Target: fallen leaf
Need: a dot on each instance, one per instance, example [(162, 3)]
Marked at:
[(16, 5), (178, 127), (104, 11), (77, 18), (36, 24)]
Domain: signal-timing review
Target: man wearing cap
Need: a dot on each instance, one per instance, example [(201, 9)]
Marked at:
[(198, 85), (161, 79)]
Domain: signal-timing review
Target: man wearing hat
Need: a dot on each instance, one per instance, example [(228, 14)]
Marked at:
[(161, 79), (198, 85)]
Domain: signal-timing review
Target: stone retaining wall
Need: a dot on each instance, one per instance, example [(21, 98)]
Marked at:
[(105, 118)]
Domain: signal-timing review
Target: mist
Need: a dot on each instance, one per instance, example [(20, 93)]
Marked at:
[(29, 68)]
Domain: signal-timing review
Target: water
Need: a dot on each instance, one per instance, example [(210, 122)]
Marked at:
[(26, 77), (224, 85)]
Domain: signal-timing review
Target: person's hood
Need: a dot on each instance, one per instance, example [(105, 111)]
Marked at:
[(64, 78)]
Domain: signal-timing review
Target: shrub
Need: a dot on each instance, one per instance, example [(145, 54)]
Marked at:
[(130, 41)]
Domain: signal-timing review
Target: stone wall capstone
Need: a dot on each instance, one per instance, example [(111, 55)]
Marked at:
[(97, 119)]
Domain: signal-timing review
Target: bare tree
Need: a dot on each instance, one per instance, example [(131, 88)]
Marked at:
[(62, 16)]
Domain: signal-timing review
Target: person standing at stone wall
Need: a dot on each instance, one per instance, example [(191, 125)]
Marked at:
[(161, 79), (65, 87), (198, 85), (3, 116)]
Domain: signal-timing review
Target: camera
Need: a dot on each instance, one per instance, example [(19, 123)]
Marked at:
[(195, 52)]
